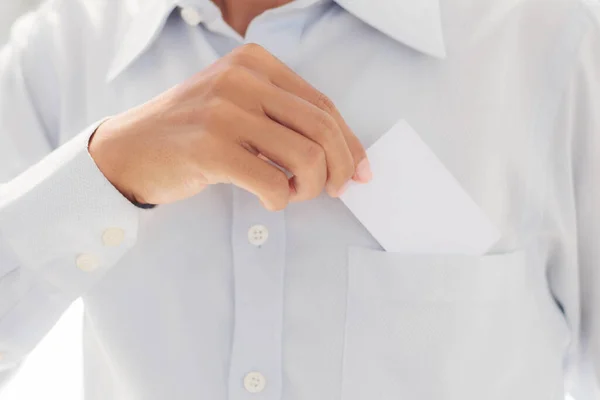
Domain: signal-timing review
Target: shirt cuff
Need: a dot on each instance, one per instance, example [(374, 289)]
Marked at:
[(64, 221)]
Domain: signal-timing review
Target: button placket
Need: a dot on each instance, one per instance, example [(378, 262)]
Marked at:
[(259, 262), (258, 238)]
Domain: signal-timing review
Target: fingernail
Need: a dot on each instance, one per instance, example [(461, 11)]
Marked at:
[(363, 171), (343, 189)]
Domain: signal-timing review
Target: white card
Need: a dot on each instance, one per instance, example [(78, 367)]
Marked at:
[(414, 204)]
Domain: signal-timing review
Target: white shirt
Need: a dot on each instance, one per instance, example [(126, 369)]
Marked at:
[(11, 10), (214, 297)]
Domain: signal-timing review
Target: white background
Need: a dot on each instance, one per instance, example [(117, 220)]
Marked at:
[(54, 369)]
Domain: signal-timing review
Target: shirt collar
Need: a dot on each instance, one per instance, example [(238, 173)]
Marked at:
[(416, 23)]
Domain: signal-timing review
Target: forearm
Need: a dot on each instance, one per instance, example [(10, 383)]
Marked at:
[(62, 227)]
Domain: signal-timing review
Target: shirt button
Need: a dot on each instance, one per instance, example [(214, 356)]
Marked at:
[(258, 235), (191, 16), (113, 237), (87, 262), (255, 382)]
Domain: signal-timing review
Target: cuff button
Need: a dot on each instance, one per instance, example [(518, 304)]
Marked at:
[(87, 262), (113, 237)]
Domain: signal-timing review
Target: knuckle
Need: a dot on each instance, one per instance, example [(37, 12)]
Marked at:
[(314, 156), (326, 127), (241, 57), (247, 54), (253, 48), (230, 81), (325, 104)]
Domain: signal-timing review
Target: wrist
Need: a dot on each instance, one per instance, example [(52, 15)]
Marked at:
[(109, 159)]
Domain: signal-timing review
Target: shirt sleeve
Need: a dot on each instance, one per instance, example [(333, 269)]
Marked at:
[(62, 224), (580, 276)]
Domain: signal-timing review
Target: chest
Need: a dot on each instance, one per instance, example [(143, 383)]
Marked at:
[(482, 111), (364, 317)]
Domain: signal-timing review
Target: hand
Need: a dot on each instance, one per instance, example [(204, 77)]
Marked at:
[(224, 125)]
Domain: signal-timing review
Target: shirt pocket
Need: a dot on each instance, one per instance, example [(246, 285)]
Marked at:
[(450, 327)]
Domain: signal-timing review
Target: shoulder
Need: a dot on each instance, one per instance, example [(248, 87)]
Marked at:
[(73, 35), (64, 46), (533, 29), (529, 16), (79, 26)]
